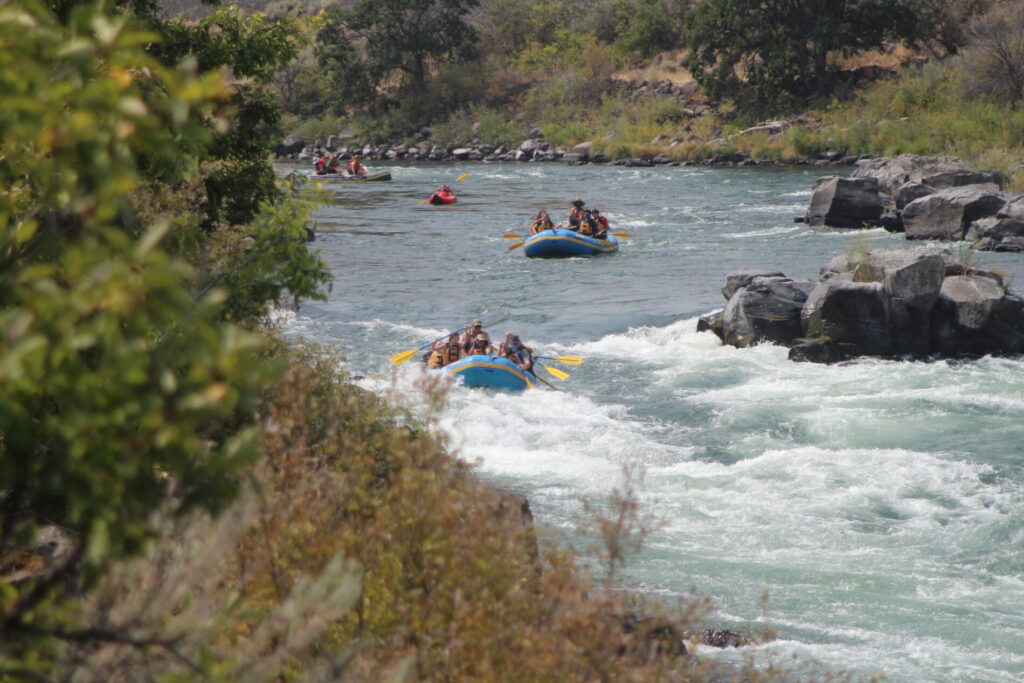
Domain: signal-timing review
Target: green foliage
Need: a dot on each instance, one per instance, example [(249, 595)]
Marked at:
[(773, 55), (251, 44), (514, 24), (496, 129), (121, 390), (113, 376), (348, 80), (407, 36)]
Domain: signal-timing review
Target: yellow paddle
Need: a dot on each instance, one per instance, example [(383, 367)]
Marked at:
[(404, 356), (516, 245), (459, 179), (571, 360), (555, 372)]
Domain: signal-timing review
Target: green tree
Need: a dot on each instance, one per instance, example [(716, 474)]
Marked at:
[(409, 36), (122, 391), (767, 54)]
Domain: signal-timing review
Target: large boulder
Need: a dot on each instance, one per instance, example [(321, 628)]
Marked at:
[(580, 152), (997, 234), (963, 313), (850, 313), (742, 278), (937, 172), (845, 203), (767, 309), (946, 214), (973, 299), (908, 192), (293, 144)]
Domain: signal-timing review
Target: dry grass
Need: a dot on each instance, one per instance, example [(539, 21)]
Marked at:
[(364, 551)]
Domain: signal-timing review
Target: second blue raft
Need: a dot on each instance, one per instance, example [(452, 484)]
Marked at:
[(490, 371), (563, 243)]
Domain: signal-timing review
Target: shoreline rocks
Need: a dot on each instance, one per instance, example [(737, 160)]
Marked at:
[(926, 198), (903, 303)]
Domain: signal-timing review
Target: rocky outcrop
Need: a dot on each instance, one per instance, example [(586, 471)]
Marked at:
[(845, 203), (904, 303), (935, 172), (936, 198), (947, 214)]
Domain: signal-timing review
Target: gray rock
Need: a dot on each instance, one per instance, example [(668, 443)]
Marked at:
[(767, 309), (293, 144), (582, 150), (845, 202), (939, 172), (908, 192), (1014, 208), (816, 351), (742, 278), (854, 313), (973, 298), (946, 214), (461, 153), (997, 234)]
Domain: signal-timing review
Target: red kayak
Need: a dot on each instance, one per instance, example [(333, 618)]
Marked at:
[(442, 198)]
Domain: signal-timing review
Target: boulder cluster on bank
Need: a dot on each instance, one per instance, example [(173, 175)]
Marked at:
[(902, 303), (927, 198), (534, 148)]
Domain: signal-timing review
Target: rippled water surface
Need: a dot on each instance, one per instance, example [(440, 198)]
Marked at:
[(877, 505)]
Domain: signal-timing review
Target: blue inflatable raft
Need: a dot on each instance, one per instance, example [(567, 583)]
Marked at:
[(562, 243), (490, 371)]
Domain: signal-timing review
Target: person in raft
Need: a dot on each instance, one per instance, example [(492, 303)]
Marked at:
[(541, 222), (469, 334), (355, 168), (576, 214), (320, 165), (446, 354), (514, 350), (482, 346), (332, 164), (588, 224), (602, 224), (445, 192)]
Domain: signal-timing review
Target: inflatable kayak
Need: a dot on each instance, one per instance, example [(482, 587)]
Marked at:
[(562, 243), (490, 371), (382, 175), (438, 198)]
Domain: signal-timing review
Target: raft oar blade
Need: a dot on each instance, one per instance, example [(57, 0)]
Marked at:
[(621, 234), (423, 201), (511, 235), (556, 373), (462, 177), (403, 357), (571, 360), (516, 245)]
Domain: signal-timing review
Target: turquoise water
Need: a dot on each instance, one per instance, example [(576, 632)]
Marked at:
[(869, 513)]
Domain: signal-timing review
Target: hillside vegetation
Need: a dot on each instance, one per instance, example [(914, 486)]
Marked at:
[(570, 71)]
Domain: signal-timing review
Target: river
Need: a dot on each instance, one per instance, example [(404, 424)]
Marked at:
[(870, 513)]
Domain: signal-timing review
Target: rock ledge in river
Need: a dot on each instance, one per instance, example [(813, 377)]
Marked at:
[(895, 303)]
